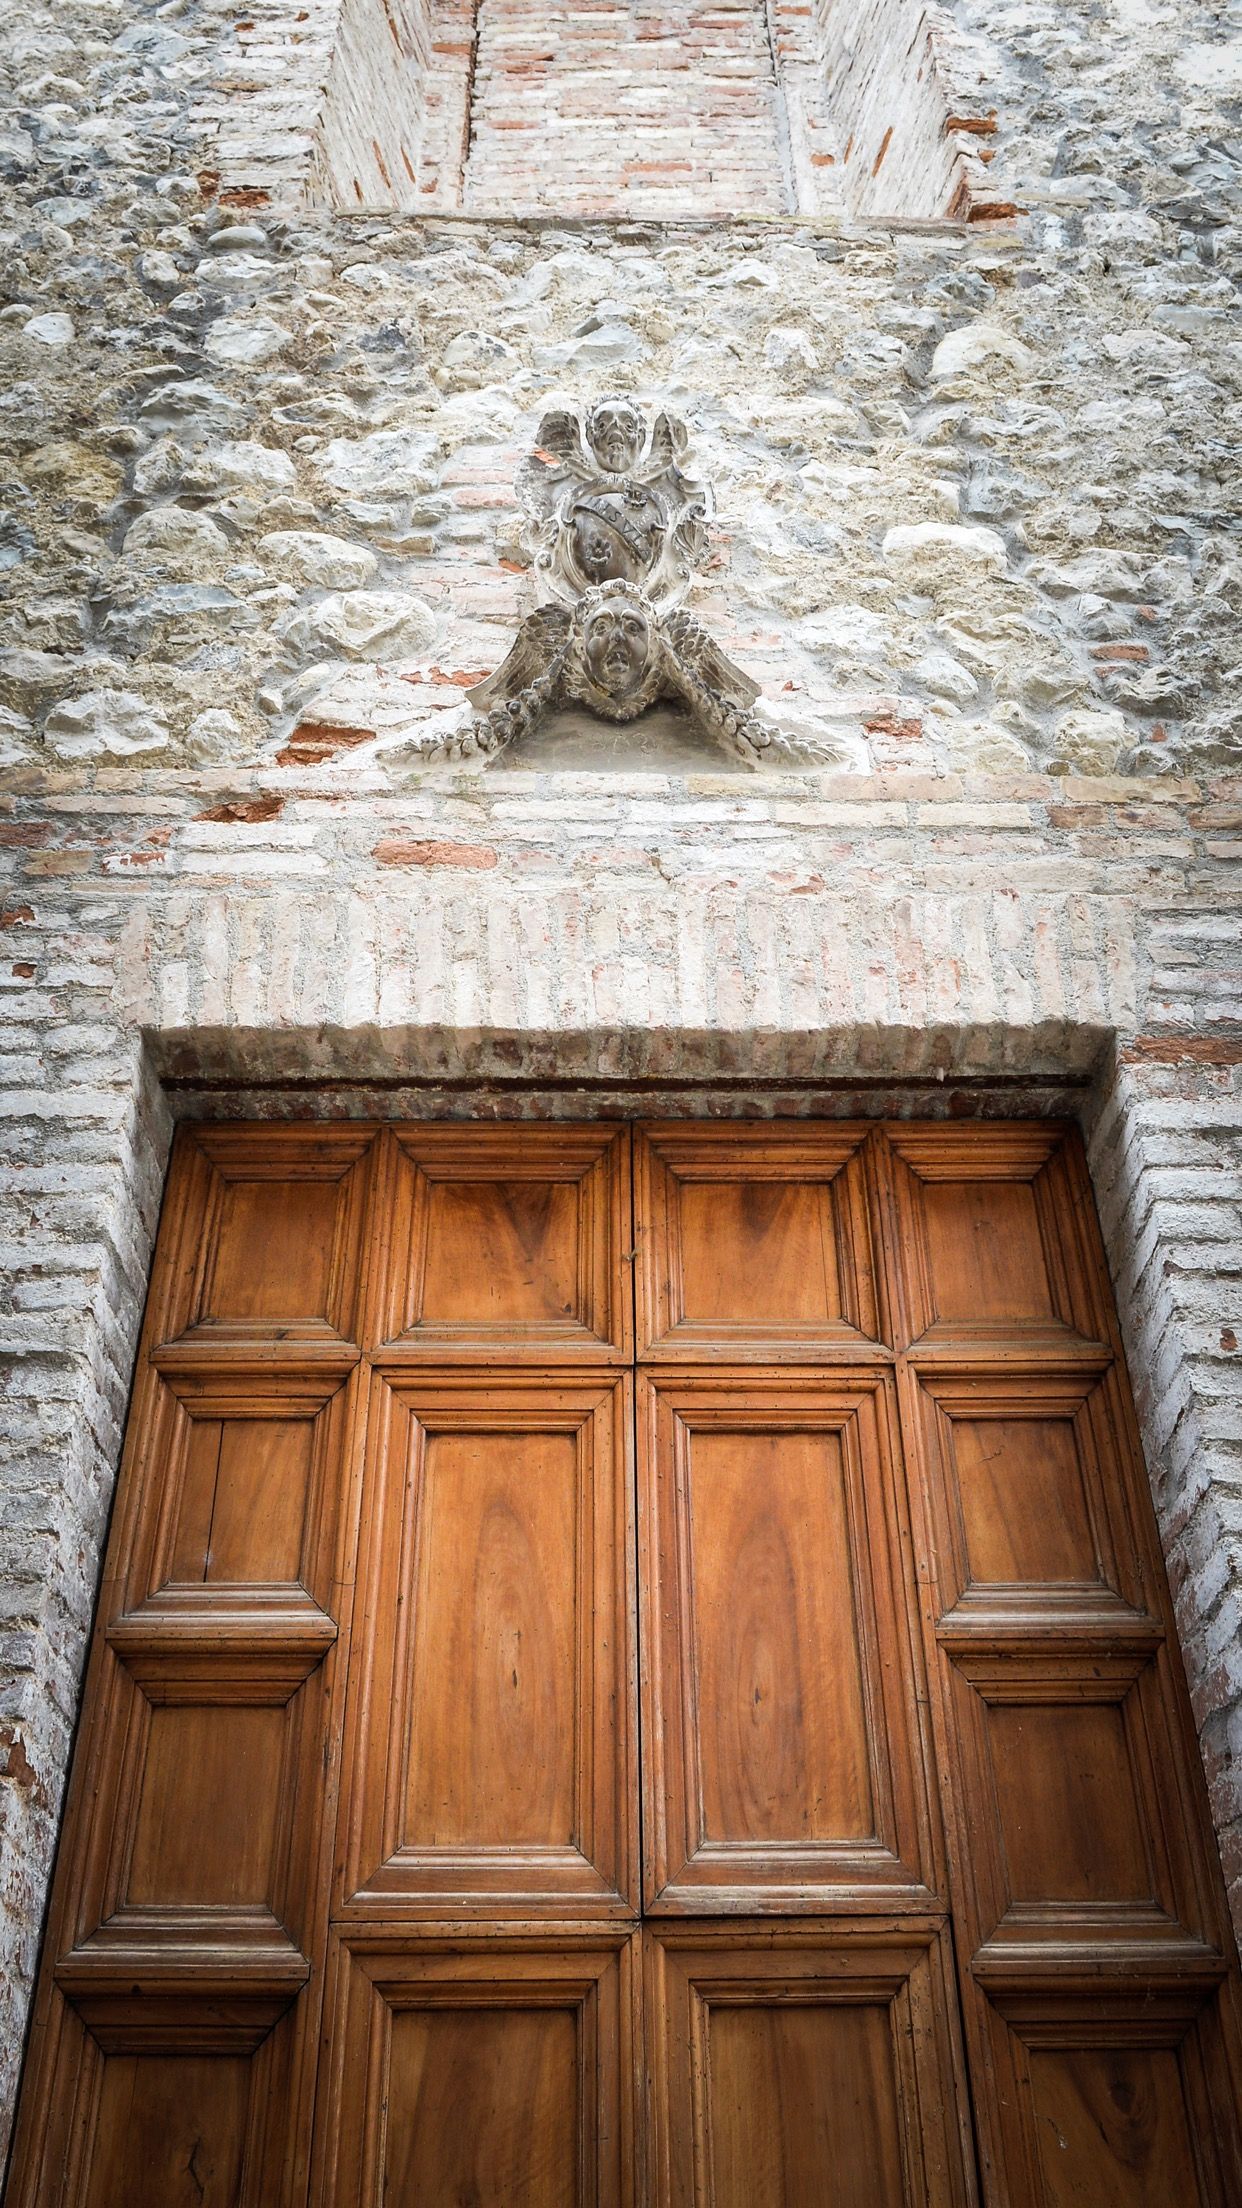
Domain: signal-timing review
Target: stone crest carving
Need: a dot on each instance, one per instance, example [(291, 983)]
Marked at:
[(617, 524), (608, 499)]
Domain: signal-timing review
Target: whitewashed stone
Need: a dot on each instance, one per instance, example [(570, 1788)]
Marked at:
[(333, 563)]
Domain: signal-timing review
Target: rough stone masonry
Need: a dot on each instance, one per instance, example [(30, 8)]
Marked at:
[(976, 538)]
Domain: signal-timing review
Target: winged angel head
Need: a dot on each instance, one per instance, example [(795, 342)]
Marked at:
[(616, 654)]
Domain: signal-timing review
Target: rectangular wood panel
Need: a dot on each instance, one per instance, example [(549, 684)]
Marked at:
[(780, 1667), (506, 1243), (792, 2067), (491, 1727), (266, 1244), (753, 1242), (497, 2071)]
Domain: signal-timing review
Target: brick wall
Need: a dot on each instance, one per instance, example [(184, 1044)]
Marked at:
[(603, 106), (670, 107)]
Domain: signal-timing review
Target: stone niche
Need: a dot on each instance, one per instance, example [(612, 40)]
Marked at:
[(848, 108)]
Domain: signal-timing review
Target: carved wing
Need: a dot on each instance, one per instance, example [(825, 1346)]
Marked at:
[(541, 637), (666, 450), (558, 459), (695, 650)]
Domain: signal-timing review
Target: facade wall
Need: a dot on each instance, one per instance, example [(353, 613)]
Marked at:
[(976, 487)]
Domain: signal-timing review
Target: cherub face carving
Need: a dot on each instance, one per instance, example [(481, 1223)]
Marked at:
[(617, 645), (615, 433)]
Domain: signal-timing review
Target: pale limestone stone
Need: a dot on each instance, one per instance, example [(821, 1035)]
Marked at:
[(234, 272), (387, 460), (50, 329), (789, 353), (367, 624), (17, 739), (248, 464), (114, 724), (1091, 743), (179, 537), (237, 341), (331, 562), (983, 747), (979, 344), (940, 555), (475, 359), (160, 271), (213, 736), (946, 677)]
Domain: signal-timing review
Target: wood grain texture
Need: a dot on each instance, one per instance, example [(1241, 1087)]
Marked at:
[(1087, 1903), (353, 1823), (753, 1242), (496, 2070), (492, 1735), (510, 1243), (793, 2066), (781, 1761)]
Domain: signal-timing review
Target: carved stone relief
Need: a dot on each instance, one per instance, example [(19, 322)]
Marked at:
[(616, 525)]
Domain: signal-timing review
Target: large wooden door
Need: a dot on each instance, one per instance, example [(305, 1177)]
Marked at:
[(634, 1667)]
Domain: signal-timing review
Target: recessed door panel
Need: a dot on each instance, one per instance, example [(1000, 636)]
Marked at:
[(491, 1730), (496, 2071), (507, 1242), (169, 2128), (1113, 2127), (493, 1711), (779, 1658), (795, 2067), (753, 1242)]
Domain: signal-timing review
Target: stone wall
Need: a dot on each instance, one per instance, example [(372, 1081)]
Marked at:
[(977, 498)]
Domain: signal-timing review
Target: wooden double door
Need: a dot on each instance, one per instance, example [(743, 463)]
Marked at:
[(634, 1667)]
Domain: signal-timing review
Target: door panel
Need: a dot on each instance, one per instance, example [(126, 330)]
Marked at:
[(491, 1731), (793, 2067), (1081, 1867), (780, 1751), (507, 1243), (266, 1244), (753, 1242), (498, 2072), (353, 1830)]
